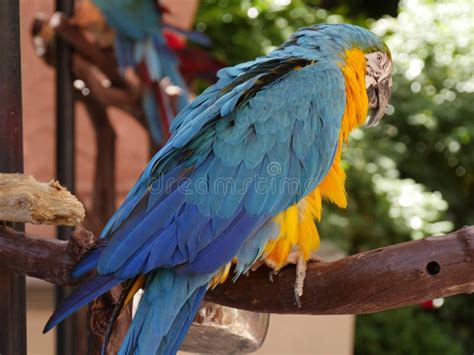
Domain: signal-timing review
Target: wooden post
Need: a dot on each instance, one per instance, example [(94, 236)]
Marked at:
[(67, 333), (12, 291)]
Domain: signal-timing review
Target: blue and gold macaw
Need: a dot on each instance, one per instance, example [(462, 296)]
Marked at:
[(239, 182), (140, 45)]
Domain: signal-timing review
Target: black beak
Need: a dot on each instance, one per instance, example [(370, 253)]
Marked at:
[(379, 96)]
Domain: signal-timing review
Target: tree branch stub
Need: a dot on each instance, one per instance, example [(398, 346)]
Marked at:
[(45, 258), (24, 199)]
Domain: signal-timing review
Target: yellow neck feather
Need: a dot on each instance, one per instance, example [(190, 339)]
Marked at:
[(297, 223), (357, 103)]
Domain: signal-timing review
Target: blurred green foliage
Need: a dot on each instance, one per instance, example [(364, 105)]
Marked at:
[(411, 176), (243, 30), (405, 331)]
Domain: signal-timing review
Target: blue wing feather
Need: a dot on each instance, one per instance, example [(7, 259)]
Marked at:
[(254, 247)]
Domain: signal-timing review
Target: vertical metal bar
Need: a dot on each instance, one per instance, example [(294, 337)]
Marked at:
[(12, 291), (66, 331)]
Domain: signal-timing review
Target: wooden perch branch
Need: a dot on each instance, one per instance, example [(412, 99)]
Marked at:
[(24, 199), (94, 65), (90, 52), (106, 95), (45, 258), (372, 281)]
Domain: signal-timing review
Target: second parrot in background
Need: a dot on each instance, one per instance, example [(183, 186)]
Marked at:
[(141, 45)]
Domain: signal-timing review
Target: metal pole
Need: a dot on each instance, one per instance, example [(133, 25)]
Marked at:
[(66, 332), (12, 291)]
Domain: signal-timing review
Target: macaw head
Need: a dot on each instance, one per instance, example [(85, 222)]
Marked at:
[(333, 41), (378, 80)]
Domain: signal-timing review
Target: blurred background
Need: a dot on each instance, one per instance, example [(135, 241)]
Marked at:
[(409, 177)]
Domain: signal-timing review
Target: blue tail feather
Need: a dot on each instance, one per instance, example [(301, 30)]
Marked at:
[(196, 37), (184, 320), (124, 52), (165, 311), (150, 107), (81, 296)]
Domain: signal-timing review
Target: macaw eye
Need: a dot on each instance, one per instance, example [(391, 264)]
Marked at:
[(379, 58)]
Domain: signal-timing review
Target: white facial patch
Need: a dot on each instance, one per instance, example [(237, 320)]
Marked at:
[(378, 67)]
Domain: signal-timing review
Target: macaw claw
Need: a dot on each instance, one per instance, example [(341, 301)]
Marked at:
[(298, 259)]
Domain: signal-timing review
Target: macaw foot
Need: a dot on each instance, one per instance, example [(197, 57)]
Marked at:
[(261, 262), (256, 265), (298, 259), (295, 258)]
